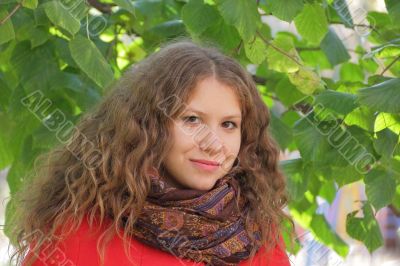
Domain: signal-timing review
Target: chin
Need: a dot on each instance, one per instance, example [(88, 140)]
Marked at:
[(205, 186)]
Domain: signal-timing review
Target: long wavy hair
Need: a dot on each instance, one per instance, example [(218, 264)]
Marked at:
[(101, 172)]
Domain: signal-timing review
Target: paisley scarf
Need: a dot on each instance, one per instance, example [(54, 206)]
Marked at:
[(203, 226)]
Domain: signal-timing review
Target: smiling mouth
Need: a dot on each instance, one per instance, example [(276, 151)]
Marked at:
[(206, 162), (205, 166)]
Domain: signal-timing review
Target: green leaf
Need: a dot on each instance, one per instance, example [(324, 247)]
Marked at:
[(40, 16), (9, 224), (297, 181), (127, 5), (31, 4), (351, 72), (280, 131), (316, 178), (290, 117), (325, 234), (243, 14), (267, 99), (344, 13), (315, 58), (287, 238), (287, 92), (334, 49), (303, 211), (149, 8), (346, 175), (392, 165), (311, 137), (369, 65), (256, 50), (225, 35), (6, 154), (342, 103), (306, 80), (38, 37), (25, 60), (365, 228), (390, 121), (198, 16), (384, 51), (357, 147), (386, 142), (91, 61), (312, 23), (396, 198), (62, 17), (393, 7), (328, 191), (23, 162), (311, 142), (380, 188), (379, 19), (383, 97), (62, 49), (6, 94), (24, 32), (285, 9), (170, 28), (362, 117), (282, 55), (7, 29)]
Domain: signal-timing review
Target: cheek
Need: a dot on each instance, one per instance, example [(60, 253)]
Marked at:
[(183, 138), (234, 145), (237, 147)]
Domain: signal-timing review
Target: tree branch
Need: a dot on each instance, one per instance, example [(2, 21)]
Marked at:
[(4, 20), (259, 80), (308, 48), (279, 49), (269, 95), (390, 65), (319, 48), (357, 25), (394, 210), (102, 7), (237, 49)]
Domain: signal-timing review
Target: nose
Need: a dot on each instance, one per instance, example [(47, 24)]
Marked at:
[(209, 141)]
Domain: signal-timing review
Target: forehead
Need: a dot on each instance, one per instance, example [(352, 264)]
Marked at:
[(213, 96)]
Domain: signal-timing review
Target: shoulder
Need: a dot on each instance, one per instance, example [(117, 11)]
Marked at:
[(80, 248), (275, 257)]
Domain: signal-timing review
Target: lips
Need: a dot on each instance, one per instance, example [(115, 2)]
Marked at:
[(207, 166), (206, 162)]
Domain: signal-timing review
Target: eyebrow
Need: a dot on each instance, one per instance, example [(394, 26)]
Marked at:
[(226, 117)]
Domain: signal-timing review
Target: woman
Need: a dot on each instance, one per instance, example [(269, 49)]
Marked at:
[(174, 167)]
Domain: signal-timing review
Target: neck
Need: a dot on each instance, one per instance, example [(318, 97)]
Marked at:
[(167, 177)]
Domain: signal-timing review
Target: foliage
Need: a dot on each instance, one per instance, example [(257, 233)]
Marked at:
[(64, 54)]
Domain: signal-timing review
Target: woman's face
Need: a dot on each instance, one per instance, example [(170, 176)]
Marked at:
[(208, 129)]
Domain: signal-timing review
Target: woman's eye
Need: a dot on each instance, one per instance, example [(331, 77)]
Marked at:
[(192, 120), (189, 118), (232, 123)]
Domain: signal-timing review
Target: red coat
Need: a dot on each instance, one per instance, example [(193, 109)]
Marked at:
[(80, 249)]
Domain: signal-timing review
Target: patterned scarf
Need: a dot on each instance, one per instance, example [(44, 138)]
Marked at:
[(203, 226)]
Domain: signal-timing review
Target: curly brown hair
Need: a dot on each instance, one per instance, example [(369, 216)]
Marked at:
[(112, 147)]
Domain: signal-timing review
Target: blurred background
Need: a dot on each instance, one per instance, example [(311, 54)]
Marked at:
[(335, 51)]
